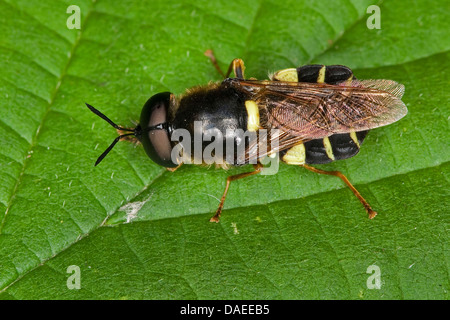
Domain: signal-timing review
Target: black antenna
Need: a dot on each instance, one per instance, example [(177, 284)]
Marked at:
[(101, 115), (110, 147)]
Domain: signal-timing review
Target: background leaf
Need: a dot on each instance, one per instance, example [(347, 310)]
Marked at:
[(294, 235)]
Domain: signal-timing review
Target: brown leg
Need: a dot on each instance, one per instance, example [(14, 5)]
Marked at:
[(174, 169), (257, 170), (237, 66), (366, 205)]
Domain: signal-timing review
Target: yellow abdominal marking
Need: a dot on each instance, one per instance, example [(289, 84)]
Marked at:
[(321, 77), (354, 138), (290, 75), (295, 155), (348, 82), (253, 115), (328, 148)]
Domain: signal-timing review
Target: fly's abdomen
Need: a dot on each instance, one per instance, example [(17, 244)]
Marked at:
[(336, 146)]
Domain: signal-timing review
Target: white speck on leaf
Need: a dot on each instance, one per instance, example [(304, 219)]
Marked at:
[(235, 229), (131, 209)]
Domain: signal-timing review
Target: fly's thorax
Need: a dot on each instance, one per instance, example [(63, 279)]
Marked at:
[(209, 119)]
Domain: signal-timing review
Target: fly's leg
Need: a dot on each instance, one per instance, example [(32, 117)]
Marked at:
[(237, 66), (174, 169), (257, 170), (366, 205)]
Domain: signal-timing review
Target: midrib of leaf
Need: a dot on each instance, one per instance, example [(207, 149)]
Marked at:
[(104, 223), (50, 103)]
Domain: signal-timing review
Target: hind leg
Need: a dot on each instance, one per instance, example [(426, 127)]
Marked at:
[(366, 205), (257, 170)]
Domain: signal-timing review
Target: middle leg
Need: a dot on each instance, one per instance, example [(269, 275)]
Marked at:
[(257, 170)]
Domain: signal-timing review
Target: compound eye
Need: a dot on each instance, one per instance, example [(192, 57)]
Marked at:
[(155, 136)]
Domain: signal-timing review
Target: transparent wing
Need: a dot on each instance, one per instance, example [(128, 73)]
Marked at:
[(308, 111)]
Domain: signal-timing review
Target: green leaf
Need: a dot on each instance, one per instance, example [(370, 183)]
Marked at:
[(294, 235)]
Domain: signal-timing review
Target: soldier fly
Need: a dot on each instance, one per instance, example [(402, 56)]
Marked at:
[(321, 113)]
